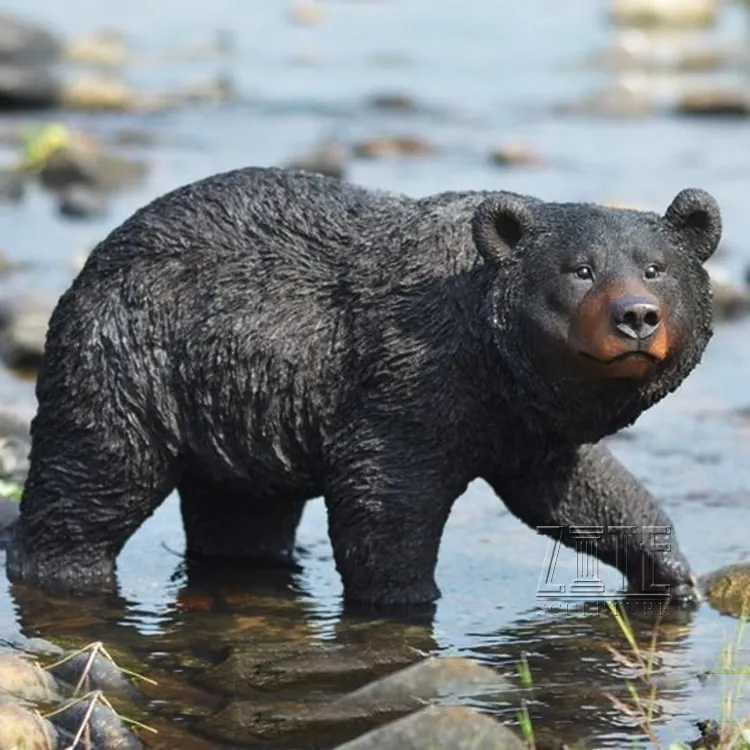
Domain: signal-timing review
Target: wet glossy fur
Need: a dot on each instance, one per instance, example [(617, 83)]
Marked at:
[(264, 337)]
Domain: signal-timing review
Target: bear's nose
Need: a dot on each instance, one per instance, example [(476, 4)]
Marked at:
[(636, 317)]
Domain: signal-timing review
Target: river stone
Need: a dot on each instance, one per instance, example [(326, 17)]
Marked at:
[(671, 13), (23, 329), (439, 728), (106, 730), (728, 589), (102, 674), (431, 678), (386, 699), (25, 728), (328, 158), (26, 679), (247, 670)]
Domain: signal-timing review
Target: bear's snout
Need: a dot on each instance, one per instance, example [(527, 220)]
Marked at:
[(622, 331), (636, 317)]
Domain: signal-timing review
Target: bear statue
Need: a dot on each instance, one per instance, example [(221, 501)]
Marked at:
[(267, 336)]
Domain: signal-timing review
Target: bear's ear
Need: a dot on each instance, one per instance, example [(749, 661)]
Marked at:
[(696, 216), (499, 224)]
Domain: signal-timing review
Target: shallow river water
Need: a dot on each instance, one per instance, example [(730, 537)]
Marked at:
[(486, 73)]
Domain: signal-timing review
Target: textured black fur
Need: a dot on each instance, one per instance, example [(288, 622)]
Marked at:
[(263, 337)]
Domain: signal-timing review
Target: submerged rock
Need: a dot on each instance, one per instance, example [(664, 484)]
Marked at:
[(439, 728), (246, 671), (386, 699), (728, 589), (25, 729)]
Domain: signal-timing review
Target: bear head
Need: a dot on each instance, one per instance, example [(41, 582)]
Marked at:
[(600, 312)]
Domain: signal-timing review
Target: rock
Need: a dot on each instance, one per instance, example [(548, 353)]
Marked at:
[(329, 159), (105, 729), (714, 102), (82, 162), (23, 330), (395, 101), (25, 679), (439, 728), (386, 699), (621, 99), (104, 49), (730, 301), (728, 589), (306, 13), (24, 42), (429, 679), (657, 49), (25, 729), (28, 88), (245, 671), (389, 146), (15, 441), (12, 186), (674, 13), (97, 93), (516, 155), (100, 674), (245, 722), (81, 202)]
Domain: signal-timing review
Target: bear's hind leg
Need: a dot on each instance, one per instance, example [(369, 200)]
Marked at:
[(226, 519), (83, 499)]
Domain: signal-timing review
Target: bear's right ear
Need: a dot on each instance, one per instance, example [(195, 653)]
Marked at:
[(499, 224), (696, 216)]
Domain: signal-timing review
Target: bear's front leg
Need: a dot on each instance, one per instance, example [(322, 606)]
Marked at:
[(387, 500), (588, 487)]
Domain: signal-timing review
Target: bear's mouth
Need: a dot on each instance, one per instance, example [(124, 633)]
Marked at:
[(634, 355)]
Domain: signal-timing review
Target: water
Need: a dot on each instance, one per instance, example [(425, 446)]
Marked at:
[(486, 73)]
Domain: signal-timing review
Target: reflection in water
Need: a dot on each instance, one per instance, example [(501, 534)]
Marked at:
[(255, 653)]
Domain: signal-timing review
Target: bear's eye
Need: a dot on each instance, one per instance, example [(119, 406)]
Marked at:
[(652, 271), (585, 273)]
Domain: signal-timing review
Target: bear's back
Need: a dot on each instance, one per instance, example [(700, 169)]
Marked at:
[(252, 214)]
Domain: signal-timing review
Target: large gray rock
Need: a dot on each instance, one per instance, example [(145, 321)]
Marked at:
[(439, 728)]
